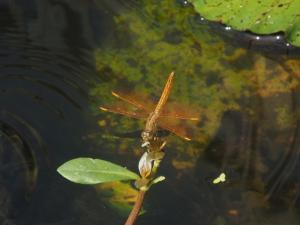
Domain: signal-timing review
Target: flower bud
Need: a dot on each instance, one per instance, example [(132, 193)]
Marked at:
[(145, 165)]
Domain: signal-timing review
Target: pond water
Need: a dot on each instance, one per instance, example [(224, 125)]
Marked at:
[(60, 60)]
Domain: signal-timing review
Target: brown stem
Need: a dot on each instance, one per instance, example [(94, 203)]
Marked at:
[(136, 208)]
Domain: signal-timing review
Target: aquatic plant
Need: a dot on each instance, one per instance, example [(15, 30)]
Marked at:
[(215, 75), (95, 171)]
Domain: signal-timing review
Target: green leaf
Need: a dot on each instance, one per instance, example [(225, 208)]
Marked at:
[(261, 17), (94, 171), (158, 179), (221, 178)]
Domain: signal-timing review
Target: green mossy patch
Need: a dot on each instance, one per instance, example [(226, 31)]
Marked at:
[(210, 73)]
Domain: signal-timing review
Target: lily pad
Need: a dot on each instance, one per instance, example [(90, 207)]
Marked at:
[(94, 171), (261, 17)]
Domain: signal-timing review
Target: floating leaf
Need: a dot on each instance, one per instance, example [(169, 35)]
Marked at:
[(261, 17), (220, 178), (94, 171)]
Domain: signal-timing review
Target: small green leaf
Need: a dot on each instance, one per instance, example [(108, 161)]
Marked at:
[(154, 181), (94, 171), (221, 178), (158, 179)]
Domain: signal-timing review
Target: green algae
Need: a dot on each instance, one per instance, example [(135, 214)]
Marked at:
[(210, 73)]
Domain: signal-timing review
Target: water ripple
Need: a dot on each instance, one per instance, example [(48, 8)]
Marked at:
[(45, 77)]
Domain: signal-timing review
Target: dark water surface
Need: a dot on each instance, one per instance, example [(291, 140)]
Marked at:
[(59, 60)]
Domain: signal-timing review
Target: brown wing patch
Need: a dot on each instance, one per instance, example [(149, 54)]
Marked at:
[(126, 110), (136, 99), (181, 111), (181, 128)]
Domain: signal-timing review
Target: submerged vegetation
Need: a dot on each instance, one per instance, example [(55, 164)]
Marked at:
[(214, 75)]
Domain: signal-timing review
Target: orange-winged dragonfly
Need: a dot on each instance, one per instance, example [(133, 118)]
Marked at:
[(164, 115)]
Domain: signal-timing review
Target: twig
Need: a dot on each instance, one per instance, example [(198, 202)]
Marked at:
[(136, 208)]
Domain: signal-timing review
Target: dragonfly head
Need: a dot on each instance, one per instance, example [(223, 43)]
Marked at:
[(146, 137)]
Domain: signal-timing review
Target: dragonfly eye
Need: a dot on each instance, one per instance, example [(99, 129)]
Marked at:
[(145, 135)]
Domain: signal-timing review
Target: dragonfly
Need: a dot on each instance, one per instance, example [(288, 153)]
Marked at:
[(169, 117)]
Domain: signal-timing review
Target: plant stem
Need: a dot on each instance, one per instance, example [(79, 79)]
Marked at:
[(136, 208)]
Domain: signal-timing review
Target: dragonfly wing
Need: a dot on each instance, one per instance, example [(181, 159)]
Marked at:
[(137, 100), (178, 127), (126, 111), (180, 111)]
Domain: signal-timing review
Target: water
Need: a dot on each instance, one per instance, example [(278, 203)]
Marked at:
[(61, 59)]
